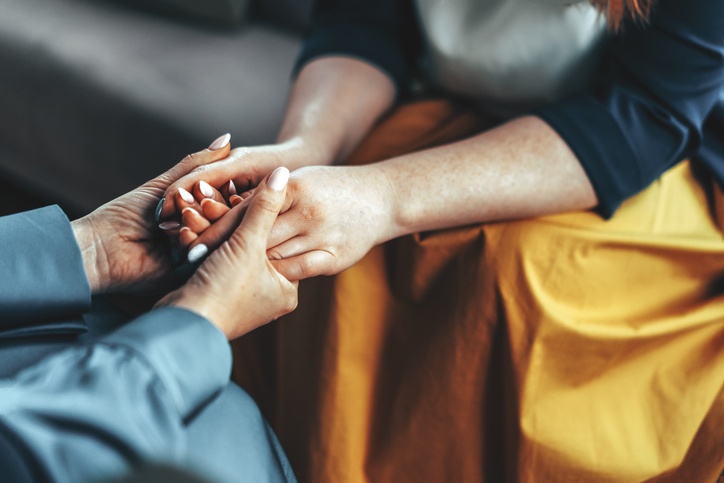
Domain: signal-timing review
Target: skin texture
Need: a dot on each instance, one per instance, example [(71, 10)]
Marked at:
[(120, 246), (236, 287), (334, 103), (334, 215), (120, 240)]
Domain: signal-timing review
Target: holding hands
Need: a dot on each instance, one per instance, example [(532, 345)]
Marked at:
[(236, 288), (331, 217), (120, 241)]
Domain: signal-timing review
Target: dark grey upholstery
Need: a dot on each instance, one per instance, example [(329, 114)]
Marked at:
[(97, 97), (291, 14), (221, 12)]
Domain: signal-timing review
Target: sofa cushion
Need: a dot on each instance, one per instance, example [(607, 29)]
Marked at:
[(223, 12), (291, 14), (96, 98)]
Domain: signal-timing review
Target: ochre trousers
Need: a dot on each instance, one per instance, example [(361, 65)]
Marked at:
[(566, 348)]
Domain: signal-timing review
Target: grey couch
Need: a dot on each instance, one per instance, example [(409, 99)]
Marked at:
[(96, 96)]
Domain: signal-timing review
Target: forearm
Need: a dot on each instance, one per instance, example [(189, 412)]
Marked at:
[(334, 103), (519, 170)]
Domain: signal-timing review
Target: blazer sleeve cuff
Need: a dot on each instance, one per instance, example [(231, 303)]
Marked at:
[(43, 274)]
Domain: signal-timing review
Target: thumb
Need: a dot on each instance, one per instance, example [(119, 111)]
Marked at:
[(262, 211)]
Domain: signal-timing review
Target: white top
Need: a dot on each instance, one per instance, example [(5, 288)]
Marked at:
[(510, 55)]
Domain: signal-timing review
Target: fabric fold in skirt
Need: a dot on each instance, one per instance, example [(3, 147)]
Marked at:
[(564, 348)]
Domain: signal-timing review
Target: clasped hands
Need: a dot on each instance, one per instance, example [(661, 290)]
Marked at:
[(331, 216), (259, 242)]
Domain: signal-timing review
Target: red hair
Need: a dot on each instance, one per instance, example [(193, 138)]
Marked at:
[(617, 10)]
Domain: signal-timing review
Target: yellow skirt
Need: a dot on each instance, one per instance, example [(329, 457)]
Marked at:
[(561, 349)]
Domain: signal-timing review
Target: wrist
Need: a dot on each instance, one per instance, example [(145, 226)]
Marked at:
[(200, 305), (94, 257), (405, 210), (301, 151), (384, 206)]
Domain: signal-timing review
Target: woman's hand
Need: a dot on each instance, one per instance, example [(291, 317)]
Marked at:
[(331, 218), (236, 287), (245, 167), (121, 242)]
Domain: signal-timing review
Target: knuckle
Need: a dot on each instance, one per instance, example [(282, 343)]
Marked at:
[(307, 266), (312, 212), (241, 243), (267, 203), (190, 158), (291, 302)]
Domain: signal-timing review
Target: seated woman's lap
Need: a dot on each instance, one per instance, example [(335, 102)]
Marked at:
[(561, 347)]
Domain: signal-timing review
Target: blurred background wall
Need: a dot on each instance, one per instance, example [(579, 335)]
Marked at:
[(98, 96)]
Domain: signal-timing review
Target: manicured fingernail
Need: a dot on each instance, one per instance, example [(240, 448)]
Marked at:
[(169, 225), (159, 208), (235, 200), (220, 142), (185, 195), (278, 179), (191, 210), (197, 253), (206, 189), (232, 188)]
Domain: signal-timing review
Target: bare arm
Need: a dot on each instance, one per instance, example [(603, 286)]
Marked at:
[(334, 103), (334, 215), (521, 169)]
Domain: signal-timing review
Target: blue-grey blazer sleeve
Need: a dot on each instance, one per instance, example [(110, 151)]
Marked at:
[(43, 287), (95, 412)]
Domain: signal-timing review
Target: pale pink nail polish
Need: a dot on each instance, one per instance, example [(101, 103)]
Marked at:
[(169, 225), (232, 188), (191, 210), (196, 253), (220, 142), (185, 195), (206, 189), (278, 179)]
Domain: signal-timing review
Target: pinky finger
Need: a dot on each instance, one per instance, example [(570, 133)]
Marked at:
[(307, 265), (186, 237)]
